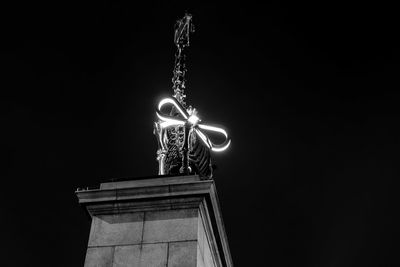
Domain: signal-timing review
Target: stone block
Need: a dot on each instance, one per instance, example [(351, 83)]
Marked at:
[(200, 259), (127, 256), (182, 254), (204, 246), (160, 221), (99, 257), (208, 256), (154, 255), (170, 225), (150, 182), (116, 229), (201, 236), (148, 255)]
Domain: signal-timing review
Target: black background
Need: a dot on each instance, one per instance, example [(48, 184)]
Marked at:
[(309, 93)]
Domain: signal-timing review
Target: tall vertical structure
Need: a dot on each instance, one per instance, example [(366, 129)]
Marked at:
[(173, 219), (183, 144)]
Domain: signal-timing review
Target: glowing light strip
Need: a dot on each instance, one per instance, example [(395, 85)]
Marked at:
[(173, 102), (217, 148), (203, 138), (167, 121)]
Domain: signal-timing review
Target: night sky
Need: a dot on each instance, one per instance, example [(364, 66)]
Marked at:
[(309, 94)]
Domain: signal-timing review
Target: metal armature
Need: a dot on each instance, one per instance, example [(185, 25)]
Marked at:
[(183, 144)]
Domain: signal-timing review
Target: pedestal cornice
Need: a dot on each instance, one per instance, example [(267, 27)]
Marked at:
[(163, 193)]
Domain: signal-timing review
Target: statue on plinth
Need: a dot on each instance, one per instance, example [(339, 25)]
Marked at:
[(183, 144)]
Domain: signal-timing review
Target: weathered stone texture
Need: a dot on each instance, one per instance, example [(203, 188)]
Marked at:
[(208, 256), (170, 225), (161, 222), (182, 254), (126, 256), (154, 255), (200, 259), (116, 229), (205, 255), (99, 257)]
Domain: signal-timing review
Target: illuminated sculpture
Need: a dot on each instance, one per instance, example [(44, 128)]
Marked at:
[(183, 144)]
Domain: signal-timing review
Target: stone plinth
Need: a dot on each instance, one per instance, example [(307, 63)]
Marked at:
[(163, 221)]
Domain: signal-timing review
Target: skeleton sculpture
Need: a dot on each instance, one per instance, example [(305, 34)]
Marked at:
[(183, 146)]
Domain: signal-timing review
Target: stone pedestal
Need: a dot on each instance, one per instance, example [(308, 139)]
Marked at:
[(163, 221)]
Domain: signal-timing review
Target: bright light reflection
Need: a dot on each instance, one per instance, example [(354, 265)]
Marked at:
[(193, 119), (176, 105), (167, 121)]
